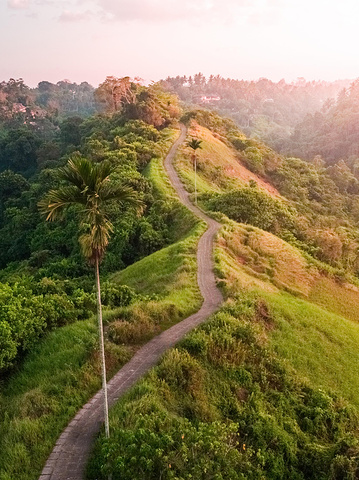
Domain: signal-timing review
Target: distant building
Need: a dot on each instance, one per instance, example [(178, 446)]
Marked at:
[(38, 113), (18, 108), (209, 98)]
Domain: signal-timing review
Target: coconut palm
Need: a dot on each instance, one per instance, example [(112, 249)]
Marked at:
[(89, 187), (195, 145)]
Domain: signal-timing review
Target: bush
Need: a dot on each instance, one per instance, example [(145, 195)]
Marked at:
[(253, 206), (171, 449), (114, 295), (124, 332), (25, 315)]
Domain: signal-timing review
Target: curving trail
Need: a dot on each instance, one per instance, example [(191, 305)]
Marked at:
[(71, 452)]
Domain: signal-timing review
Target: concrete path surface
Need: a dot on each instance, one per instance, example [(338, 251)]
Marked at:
[(71, 452)]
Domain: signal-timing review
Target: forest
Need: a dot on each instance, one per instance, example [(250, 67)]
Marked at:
[(262, 108), (45, 281)]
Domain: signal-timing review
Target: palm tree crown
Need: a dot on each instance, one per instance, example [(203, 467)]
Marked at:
[(194, 144), (90, 187)]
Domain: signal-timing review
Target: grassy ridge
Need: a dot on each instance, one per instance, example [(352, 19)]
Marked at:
[(219, 167), (316, 320), (266, 388), (62, 372)]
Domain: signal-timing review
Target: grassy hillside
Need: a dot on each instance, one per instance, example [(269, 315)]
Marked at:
[(267, 388), (224, 405), (63, 371), (219, 164)]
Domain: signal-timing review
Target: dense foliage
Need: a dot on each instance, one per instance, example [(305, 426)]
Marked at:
[(324, 201), (19, 103), (331, 132), (251, 205), (222, 405), (29, 247), (29, 308)]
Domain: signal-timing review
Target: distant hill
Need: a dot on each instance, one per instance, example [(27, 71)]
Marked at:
[(332, 132), (262, 108)]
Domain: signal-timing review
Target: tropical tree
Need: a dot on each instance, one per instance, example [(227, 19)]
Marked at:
[(90, 188), (195, 145), (115, 92)]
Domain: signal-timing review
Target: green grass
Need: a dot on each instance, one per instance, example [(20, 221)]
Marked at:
[(155, 273), (316, 325), (320, 345), (335, 297), (183, 221), (156, 173)]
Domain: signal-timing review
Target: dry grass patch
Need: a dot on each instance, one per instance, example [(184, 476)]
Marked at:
[(254, 257), (342, 299), (219, 165)]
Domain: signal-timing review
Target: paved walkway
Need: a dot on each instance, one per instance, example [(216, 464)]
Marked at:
[(70, 455)]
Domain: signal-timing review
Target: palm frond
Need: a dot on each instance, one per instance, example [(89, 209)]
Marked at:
[(104, 170), (90, 187), (56, 201), (75, 172), (194, 144), (123, 194)]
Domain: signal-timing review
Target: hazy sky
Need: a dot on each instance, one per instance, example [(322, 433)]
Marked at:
[(89, 39)]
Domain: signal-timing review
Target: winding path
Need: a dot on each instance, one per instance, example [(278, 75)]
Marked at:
[(71, 452)]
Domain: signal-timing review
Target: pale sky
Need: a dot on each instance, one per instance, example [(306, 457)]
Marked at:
[(86, 40)]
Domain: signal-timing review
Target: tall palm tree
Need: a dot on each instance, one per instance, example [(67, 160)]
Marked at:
[(195, 145), (89, 187)]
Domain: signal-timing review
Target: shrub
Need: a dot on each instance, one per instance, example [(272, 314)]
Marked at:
[(25, 316), (254, 159), (114, 295), (124, 332), (171, 449), (181, 370), (253, 206)]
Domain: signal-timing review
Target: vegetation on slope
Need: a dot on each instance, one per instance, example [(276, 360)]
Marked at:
[(37, 401), (241, 397), (51, 377), (43, 272), (265, 389), (223, 405), (323, 220)]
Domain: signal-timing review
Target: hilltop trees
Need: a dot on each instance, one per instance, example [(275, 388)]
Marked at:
[(331, 132), (115, 92), (150, 104)]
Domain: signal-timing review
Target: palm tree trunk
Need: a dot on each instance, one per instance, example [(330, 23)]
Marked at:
[(102, 348), (195, 179)]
